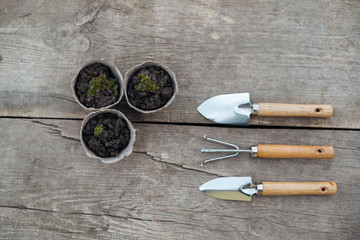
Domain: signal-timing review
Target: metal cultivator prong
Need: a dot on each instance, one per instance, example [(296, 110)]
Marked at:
[(235, 151)]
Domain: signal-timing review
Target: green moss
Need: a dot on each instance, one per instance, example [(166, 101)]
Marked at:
[(147, 85), (101, 83), (98, 130), (116, 92)]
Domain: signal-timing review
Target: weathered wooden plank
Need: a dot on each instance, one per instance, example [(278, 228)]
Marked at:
[(50, 189), (280, 51)]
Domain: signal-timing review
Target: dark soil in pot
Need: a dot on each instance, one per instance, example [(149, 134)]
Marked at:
[(106, 135), (150, 88), (96, 86)]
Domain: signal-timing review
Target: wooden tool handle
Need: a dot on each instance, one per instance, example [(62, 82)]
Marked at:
[(299, 188), (294, 110), (294, 151)]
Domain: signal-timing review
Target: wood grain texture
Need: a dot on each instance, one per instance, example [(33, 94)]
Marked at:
[(279, 51), (292, 151), (49, 189), (294, 110), (299, 188)]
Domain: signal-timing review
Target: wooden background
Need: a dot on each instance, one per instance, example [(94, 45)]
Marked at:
[(279, 51)]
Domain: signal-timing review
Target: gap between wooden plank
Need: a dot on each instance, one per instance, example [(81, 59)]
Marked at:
[(197, 124)]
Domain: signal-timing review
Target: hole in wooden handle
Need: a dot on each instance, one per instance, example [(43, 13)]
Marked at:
[(320, 150), (318, 110), (323, 189)]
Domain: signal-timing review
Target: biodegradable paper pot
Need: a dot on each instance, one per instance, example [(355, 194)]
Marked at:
[(114, 71), (134, 70), (125, 152)]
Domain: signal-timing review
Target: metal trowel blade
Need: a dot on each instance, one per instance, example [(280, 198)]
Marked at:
[(228, 109), (229, 188)]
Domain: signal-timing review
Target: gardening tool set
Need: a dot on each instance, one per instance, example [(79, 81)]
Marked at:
[(99, 85), (236, 109)]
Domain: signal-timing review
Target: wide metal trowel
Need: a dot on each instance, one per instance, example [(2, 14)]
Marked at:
[(242, 188), (236, 109)]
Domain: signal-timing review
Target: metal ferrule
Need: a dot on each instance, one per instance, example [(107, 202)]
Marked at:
[(254, 151), (255, 108), (260, 188)]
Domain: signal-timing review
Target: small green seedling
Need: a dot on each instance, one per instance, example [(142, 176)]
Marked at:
[(98, 130), (147, 85), (101, 83)]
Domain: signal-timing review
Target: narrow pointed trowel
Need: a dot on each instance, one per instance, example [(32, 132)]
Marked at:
[(242, 188), (236, 109)]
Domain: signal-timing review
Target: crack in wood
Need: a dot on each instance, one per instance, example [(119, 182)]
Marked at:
[(25, 15), (55, 130), (45, 124), (176, 164), (64, 98), (22, 207)]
